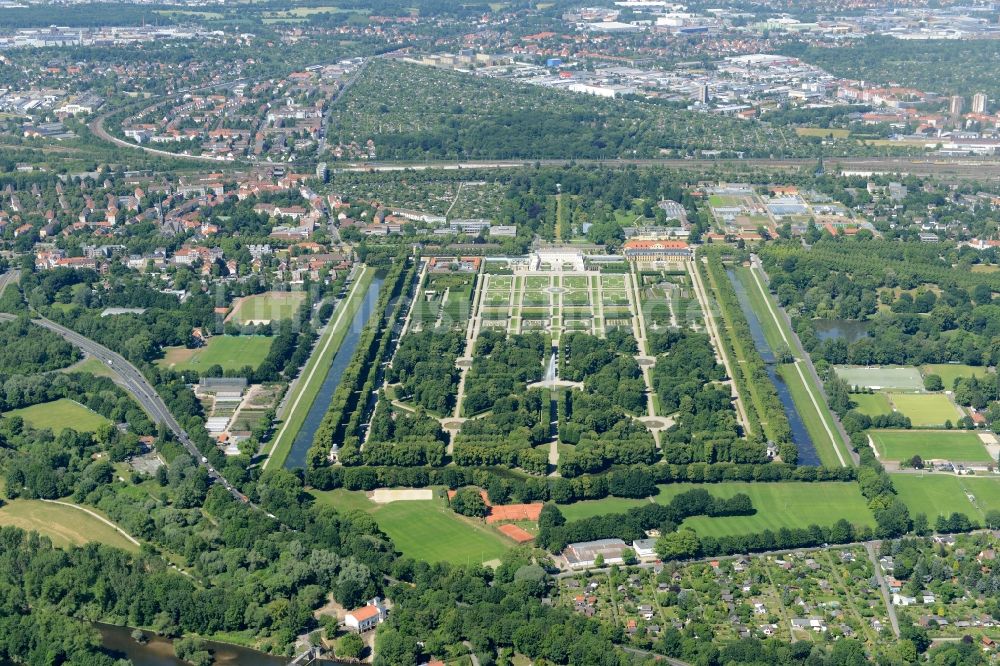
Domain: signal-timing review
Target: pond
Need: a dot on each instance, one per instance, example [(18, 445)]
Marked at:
[(848, 330)]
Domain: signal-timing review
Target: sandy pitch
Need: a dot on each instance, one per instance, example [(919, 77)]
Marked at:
[(387, 495)]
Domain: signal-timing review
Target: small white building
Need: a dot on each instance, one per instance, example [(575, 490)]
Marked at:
[(367, 617), (644, 548)]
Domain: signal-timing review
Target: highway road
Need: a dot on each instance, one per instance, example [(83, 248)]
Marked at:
[(135, 383), (7, 278)]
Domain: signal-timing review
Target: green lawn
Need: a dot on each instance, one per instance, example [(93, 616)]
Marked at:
[(314, 373), (942, 494), (269, 306), (60, 414), (958, 446), (232, 352), (590, 508), (949, 372), (426, 530), (64, 525), (785, 504), (872, 404), (926, 409)]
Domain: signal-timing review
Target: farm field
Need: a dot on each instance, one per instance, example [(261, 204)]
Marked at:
[(930, 445), (267, 307), (943, 494), (786, 504), (927, 409), (426, 530), (60, 414), (872, 404), (949, 372), (64, 525), (902, 378), (232, 352)]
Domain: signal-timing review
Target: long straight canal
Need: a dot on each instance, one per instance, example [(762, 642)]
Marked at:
[(304, 438), (800, 436)]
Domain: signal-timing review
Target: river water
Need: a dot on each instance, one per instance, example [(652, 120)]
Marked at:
[(303, 440), (159, 651), (800, 435)]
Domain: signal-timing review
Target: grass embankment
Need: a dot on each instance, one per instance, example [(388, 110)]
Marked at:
[(304, 391), (806, 395)]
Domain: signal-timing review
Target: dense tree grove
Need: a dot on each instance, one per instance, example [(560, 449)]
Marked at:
[(955, 321), (687, 381), (940, 65), (401, 438), (763, 406), (424, 366), (462, 116), (28, 348)]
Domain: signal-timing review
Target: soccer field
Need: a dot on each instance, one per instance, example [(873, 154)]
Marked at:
[(60, 414), (426, 530), (872, 404), (232, 352), (958, 446), (903, 378), (943, 494), (786, 504), (64, 525), (925, 409), (267, 307)]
